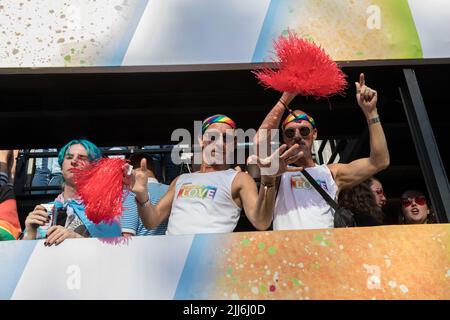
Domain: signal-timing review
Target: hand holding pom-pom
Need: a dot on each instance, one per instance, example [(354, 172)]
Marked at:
[(303, 68)]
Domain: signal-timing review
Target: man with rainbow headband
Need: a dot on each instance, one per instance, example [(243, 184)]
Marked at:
[(65, 217), (298, 205), (210, 200)]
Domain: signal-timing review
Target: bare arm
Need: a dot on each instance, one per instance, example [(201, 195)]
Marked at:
[(152, 216), (355, 172), (252, 201), (259, 206), (267, 195), (273, 118), (271, 121)]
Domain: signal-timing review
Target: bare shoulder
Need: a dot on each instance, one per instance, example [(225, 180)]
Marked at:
[(173, 183), (243, 179), (334, 168)]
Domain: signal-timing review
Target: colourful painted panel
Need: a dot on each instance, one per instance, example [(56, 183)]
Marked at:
[(362, 263), (53, 33), (349, 30), (392, 262)]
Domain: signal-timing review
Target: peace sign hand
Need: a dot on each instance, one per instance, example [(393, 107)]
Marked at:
[(278, 162)]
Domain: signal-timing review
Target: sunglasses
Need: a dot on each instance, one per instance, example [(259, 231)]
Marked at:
[(419, 200), (379, 192), (290, 133)]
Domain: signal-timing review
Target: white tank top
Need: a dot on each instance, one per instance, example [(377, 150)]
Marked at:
[(203, 203), (299, 205)]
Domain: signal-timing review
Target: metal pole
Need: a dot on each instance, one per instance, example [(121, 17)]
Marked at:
[(427, 150)]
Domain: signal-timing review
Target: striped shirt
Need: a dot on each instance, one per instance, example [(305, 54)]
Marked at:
[(4, 179), (130, 220)]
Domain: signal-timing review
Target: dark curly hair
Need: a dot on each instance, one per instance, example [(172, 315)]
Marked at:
[(361, 201)]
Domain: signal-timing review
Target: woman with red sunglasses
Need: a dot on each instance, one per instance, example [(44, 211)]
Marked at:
[(415, 208)]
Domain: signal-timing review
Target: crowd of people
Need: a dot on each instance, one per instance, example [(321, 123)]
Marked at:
[(210, 199)]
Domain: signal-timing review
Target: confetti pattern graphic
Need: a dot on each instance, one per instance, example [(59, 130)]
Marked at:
[(372, 263), (49, 33), (392, 262), (54, 33)]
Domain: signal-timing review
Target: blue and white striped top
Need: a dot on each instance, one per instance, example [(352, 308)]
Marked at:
[(130, 220), (4, 179)]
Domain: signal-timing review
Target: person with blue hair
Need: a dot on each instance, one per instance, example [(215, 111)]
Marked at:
[(65, 217)]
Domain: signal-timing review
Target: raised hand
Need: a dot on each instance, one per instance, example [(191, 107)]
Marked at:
[(366, 97), (277, 163), (139, 179)]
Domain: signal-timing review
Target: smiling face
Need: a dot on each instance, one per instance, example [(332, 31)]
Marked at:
[(414, 208), (217, 141), (301, 133), (76, 156)]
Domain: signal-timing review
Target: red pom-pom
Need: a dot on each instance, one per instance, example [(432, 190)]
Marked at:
[(100, 186), (303, 68)]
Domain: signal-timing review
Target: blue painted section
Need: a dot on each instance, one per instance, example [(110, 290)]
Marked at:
[(122, 48), (265, 37), (14, 256), (198, 269)]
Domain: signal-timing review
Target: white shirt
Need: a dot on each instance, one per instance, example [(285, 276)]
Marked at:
[(299, 205), (203, 203)]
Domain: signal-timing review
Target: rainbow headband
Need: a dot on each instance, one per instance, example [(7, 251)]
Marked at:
[(218, 118), (298, 118)]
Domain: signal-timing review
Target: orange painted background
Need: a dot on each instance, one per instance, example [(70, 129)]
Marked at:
[(391, 262)]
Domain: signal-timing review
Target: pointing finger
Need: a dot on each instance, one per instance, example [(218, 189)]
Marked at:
[(362, 80), (143, 164)]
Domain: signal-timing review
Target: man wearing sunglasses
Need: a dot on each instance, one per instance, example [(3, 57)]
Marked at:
[(298, 205), (210, 200)]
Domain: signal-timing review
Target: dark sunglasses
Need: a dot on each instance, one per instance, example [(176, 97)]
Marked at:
[(290, 133), (420, 200)]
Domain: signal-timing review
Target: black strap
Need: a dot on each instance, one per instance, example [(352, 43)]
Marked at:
[(319, 189)]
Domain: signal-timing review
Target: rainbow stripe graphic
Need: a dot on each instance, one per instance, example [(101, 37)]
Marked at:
[(197, 191), (7, 231), (300, 182), (299, 118), (218, 118)]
